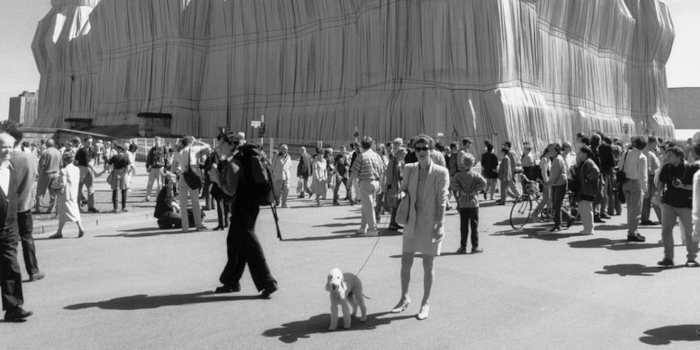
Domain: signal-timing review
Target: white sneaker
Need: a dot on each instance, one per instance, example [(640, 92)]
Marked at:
[(361, 232)]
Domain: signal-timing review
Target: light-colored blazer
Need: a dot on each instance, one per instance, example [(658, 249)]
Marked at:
[(434, 197)]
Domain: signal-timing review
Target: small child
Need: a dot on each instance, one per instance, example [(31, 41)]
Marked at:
[(467, 184)]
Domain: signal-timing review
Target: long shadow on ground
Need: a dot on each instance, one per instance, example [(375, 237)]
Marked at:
[(668, 334), (150, 232), (630, 270), (617, 245), (143, 301), (293, 331), (341, 235)]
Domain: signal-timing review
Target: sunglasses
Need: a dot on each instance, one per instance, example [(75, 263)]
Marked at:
[(422, 149)]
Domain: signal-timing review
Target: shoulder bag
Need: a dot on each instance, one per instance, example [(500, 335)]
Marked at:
[(192, 179)]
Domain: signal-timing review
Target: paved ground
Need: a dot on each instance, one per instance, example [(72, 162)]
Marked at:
[(130, 286)]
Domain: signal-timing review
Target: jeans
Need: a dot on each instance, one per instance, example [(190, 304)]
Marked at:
[(86, 179), (585, 208), (469, 218), (344, 181), (25, 224), (668, 220), (186, 195), (633, 197), (508, 189), (368, 194), (558, 193), (154, 175), (646, 203), (282, 191)]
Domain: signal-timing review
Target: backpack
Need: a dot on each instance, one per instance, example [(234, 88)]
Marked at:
[(256, 183)]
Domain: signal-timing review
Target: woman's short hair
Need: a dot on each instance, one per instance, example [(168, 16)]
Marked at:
[(366, 142), (68, 157), (676, 151), (587, 151), (424, 139)]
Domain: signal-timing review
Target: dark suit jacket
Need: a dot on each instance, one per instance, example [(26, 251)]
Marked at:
[(25, 172), (8, 211)]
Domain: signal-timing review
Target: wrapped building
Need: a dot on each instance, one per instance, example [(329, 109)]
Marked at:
[(535, 70)]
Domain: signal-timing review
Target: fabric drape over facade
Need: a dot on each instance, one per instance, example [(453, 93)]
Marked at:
[(536, 70)]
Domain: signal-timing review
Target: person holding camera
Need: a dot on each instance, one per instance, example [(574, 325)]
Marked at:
[(676, 183), (239, 177)]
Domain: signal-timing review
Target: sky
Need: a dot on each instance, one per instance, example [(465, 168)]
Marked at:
[(18, 21)]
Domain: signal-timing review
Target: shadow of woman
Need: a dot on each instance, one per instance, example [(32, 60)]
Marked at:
[(143, 301), (668, 334), (293, 331)]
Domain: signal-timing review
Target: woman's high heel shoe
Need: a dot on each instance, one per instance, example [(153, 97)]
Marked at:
[(401, 306)]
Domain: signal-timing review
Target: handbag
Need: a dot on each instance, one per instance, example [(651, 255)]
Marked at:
[(621, 179), (403, 211), (192, 179)]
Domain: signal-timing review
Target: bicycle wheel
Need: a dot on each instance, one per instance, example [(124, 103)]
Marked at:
[(520, 213)]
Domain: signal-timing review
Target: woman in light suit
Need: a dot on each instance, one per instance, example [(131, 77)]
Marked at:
[(426, 185)]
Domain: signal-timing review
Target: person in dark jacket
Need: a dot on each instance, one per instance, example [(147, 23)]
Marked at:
[(243, 246), (119, 177), (489, 170), (156, 161), (676, 186), (588, 187), (167, 210), (10, 274), (304, 173)]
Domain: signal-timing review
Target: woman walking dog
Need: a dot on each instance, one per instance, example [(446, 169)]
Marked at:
[(426, 185)]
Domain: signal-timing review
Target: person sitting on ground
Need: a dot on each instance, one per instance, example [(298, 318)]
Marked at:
[(167, 210), (467, 185)]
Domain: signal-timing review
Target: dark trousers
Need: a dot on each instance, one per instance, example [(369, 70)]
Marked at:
[(10, 275), (222, 211), (115, 199), (469, 218), (25, 224), (243, 248), (348, 188), (558, 193), (169, 220)]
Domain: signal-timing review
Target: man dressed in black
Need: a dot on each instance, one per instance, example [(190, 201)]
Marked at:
[(10, 275), (242, 244)]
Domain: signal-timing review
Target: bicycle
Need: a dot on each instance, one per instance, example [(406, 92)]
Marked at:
[(521, 213), (530, 206)]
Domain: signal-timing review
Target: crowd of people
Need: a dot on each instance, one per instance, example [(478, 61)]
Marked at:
[(414, 182)]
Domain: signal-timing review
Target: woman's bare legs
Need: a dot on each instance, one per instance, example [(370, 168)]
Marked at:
[(427, 277), (406, 264)]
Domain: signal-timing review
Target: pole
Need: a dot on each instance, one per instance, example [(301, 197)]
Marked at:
[(262, 120)]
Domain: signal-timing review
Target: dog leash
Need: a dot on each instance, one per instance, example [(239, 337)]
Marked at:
[(374, 247)]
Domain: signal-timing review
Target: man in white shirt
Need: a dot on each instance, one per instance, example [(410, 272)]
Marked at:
[(634, 187), (281, 171)]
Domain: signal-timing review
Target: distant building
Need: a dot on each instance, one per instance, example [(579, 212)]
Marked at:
[(684, 107), (24, 108)]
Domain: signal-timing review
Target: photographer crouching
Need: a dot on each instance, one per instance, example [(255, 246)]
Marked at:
[(239, 176)]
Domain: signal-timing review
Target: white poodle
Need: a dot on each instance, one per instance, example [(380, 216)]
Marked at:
[(345, 290)]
